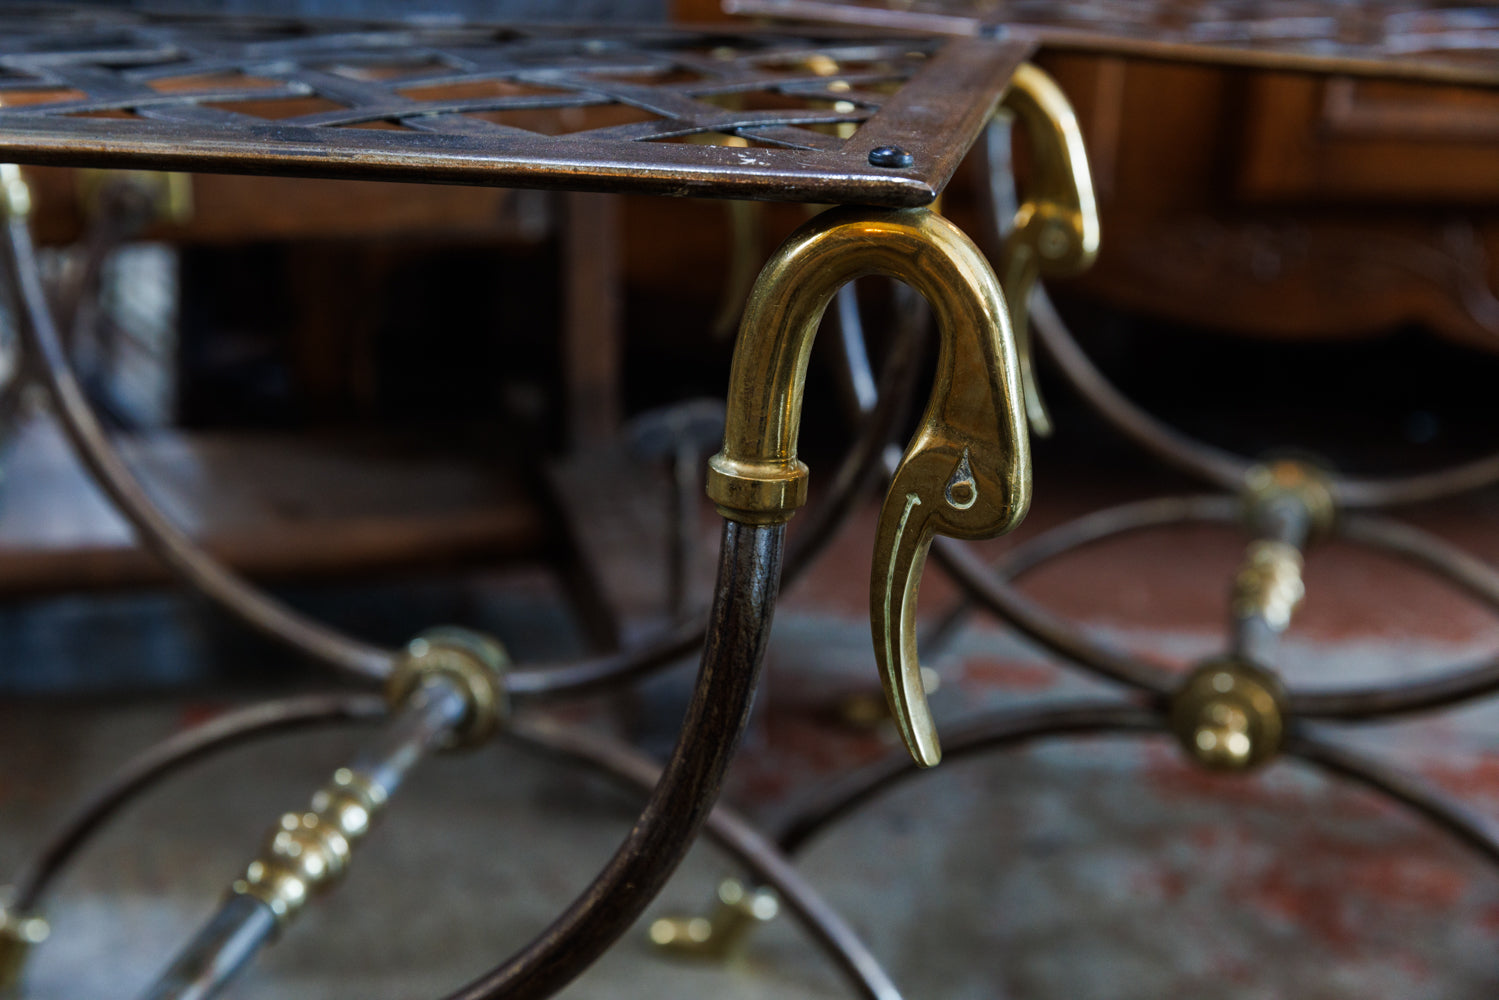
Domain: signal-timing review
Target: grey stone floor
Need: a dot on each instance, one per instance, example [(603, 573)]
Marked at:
[(1099, 869), (1103, 869)]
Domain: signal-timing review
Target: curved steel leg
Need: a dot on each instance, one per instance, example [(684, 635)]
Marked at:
[(744, 601), (741, 840), (256, 608), (1223, 468)]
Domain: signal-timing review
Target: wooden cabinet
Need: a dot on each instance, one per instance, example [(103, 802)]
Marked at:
[(1288, 204)]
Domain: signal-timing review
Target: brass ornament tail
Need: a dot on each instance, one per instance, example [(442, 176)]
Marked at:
[(967, 471), (1055, 229)]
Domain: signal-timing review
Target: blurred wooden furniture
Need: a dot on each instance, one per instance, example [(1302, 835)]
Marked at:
[(1304, 205), (1281, 168)]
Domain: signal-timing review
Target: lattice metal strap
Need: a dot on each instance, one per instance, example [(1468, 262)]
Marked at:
[(727, 113), (1395, 38)]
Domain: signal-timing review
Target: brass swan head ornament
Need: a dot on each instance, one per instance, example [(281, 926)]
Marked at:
[(1055, 230), (966, 472)]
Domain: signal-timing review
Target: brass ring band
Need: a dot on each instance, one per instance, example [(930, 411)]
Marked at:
[(473, 662)]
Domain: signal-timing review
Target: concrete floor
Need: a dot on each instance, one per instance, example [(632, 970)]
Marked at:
[(1102, 868)]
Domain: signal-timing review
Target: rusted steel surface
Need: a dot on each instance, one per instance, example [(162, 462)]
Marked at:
[(723, 113)]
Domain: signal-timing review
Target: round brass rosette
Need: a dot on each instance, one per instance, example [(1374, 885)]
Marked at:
[(1292, 479), (474, 662), (1227, 715), (18, 933)]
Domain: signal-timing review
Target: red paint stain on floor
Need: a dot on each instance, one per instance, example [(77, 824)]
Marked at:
[(196, 713), (1007, 675), (1324, 883), (1470, 781)]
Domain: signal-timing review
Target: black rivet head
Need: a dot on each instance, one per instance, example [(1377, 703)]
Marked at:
[(890, 156)]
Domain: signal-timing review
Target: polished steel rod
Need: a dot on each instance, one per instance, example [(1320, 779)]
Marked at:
[(237, 931), (168, 757), (1269, 586), (230, 940)]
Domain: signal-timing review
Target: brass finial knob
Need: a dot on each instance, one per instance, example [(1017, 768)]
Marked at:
[(741, 908), (1282, 479), (1227, 715), (18, 932)]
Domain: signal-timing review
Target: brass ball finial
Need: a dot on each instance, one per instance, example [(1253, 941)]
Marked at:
[(1227, 715)]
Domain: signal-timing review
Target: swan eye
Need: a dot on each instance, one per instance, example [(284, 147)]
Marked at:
[(962, 489)]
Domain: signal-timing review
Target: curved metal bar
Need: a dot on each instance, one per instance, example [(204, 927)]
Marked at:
[(736, 836), (855, 376), (1473, 576), (1009, 728), (744, 599), (1223, 468), (1422, 487), (1214, 465), (275, 619), (1040, 625), (170, 756), (993, 731), (587, 676), (1446, 687), (252, 606), (1427, 551), (121, 210), (1409, 791), (1456, 684), (1089, 529), (859, 466)]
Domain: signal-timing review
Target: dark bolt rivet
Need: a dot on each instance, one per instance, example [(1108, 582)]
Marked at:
[(890, 156)]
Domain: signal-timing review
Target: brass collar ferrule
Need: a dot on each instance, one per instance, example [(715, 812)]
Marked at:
[(18, 933), (473, 662)]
